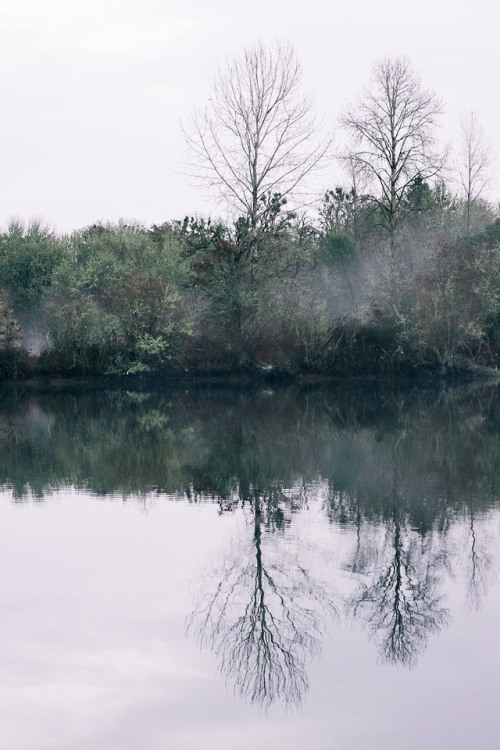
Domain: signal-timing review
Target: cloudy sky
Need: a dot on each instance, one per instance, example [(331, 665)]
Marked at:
[(93, 91)]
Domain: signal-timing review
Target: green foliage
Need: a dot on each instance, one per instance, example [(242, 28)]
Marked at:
[(437, 316), (339, 249), (29, 257), (338, 211), (286, 297), (10, 333), (82, 336), (487, 265), (117, 301), (13, 359), (418, 196), (272, 218)]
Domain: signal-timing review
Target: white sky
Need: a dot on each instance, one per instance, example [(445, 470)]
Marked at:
[(93, 91)]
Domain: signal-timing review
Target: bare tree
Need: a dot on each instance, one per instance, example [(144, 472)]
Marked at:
[(473, 164), (257, 136), (393, 138)]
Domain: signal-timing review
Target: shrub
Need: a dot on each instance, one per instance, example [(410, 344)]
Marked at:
[(13, 358)]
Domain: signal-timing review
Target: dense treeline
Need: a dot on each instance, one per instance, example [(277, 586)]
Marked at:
[(322, 298), (394, 274)]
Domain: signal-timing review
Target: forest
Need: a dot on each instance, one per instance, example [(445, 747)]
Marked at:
[(393, 272)]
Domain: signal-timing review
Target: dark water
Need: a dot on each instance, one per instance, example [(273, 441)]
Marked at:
[(226, 568)]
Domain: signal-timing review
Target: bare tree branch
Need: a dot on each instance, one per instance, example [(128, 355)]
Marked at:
[(256, 136), (473, 163), (393, 137)]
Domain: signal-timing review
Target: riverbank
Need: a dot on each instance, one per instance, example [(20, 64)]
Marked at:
[(31, 379)]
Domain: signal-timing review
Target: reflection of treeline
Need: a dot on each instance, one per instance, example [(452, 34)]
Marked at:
[(433, 449), (410, 476), (189, 296)]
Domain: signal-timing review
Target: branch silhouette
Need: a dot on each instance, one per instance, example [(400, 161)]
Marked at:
[(262, 621), (401, 606)]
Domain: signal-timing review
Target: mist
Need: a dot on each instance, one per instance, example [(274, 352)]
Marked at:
[(298, 297)]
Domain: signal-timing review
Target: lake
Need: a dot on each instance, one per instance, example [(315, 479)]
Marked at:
[(229, 567)]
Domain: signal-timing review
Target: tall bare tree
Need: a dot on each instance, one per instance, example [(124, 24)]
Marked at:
[(393, 132), (473, 164), (257, 136)]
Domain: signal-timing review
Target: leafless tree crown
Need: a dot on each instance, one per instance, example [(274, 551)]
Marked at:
[(474, 162), (256, 136), (393, 130)]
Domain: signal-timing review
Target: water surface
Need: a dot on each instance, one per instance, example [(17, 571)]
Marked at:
[(220, 568)]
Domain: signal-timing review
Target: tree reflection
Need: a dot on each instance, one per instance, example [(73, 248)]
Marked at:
[(402, 605), (407, 474), (264, 618), (478, 566)]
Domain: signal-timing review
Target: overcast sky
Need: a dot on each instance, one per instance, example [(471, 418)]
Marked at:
[(93, 91)]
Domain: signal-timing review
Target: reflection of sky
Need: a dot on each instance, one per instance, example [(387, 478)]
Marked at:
[(93, 649)]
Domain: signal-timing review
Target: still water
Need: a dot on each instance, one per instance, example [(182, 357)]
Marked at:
[(228, 568)]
